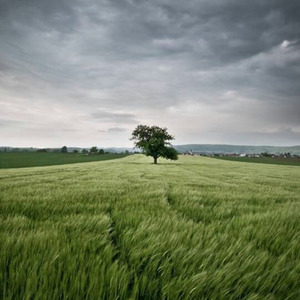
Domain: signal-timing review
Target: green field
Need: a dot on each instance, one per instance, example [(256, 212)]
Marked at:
[(33, 159), (197, 228), (265, 160)]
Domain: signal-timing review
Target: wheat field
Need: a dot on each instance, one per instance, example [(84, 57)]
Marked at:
[(197, 228)]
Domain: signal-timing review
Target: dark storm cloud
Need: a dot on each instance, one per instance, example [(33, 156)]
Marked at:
[(225, 64)]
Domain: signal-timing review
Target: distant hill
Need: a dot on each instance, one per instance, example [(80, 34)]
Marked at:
[(197, 148), (209, 149)]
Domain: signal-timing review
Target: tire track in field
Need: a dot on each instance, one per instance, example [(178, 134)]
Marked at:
[(114, 237)]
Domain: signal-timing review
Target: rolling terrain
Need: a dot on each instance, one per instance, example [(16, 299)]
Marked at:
[(197, 228)]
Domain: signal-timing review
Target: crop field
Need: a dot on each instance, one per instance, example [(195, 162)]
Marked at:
[(265, 160), (32, 159), (197, 228)]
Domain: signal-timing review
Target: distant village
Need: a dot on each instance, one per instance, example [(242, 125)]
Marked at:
[(264, 154)]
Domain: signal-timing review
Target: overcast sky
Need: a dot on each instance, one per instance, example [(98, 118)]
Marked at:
[(87, 72)]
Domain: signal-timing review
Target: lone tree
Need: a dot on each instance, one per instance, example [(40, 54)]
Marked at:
[(154, 141)]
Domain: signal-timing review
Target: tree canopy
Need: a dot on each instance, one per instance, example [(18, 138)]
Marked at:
[(64, 149), (101, 151), (94, 150), (154, 141)]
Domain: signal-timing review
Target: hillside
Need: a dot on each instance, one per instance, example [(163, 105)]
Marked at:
[(239, 149)]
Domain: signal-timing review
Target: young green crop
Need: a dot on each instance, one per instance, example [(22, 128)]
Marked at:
[(197, 228), (33, 159)]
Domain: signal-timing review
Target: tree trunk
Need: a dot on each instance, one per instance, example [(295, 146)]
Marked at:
[(155, 160)]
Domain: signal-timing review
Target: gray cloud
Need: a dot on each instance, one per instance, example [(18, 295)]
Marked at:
[(192, 66), (116, 129), (109, 117), (9, 123)]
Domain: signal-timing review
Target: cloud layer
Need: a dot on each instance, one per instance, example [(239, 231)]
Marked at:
[(87, 72)]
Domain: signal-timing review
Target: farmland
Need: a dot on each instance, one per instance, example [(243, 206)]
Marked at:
[(33, 159), (264, 160), (197, 228)]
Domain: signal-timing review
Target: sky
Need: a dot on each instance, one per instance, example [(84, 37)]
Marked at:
[(87, 72)]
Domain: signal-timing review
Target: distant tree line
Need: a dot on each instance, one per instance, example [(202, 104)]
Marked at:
[(92, 151)]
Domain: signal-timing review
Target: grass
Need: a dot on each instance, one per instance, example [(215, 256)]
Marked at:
[(265, 160), (197, 228), (33, 159)]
